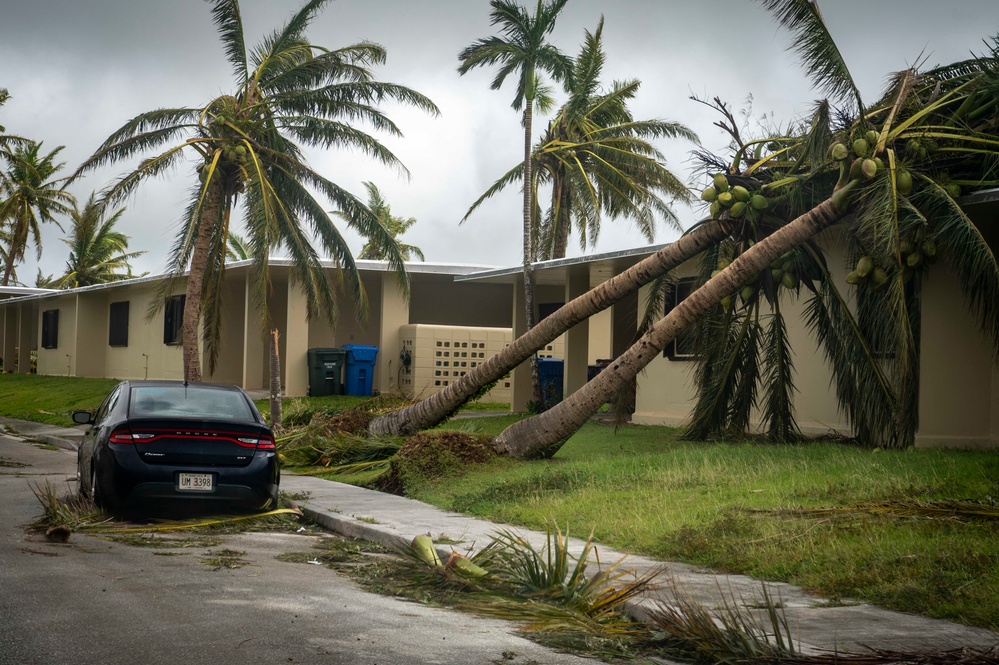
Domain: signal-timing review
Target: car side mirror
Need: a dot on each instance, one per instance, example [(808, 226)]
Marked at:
[(83, 418)]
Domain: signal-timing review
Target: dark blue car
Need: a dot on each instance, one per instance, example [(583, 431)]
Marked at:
[(156, 440)]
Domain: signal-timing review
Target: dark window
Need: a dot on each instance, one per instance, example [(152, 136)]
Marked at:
[(50, 329), (683, 347), (118, 324), (173, 319)]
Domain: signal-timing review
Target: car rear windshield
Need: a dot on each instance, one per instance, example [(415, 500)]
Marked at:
[(188, 402)]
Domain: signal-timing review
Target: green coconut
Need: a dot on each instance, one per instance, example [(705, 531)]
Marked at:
[(864, 266), (860, 147), (720, 182), (709, 194), (840, 152), (759, 202), (716, 209), (738, 209), (914, 259), (878, 276), (741, 193), (854, 278), (746, 293), (869, 168), (904, 182), (789, 280), (871, 136), (929, 248), (726, 199)]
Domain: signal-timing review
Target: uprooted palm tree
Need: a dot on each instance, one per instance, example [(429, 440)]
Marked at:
[(98, 254), (523, 50), (598, 161), (906, 158), (248, 145), (798, 191)]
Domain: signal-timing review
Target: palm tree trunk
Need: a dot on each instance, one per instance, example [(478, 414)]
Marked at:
[(274, 368), (438, 407), (542, 435), (529, 245), (195, 279)]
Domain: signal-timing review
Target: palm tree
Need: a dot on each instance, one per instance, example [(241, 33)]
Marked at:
[(599, 160), (522, 50), (237, 248), (98, 253), (29, 197), (904, 214), (396, 226), (288, 94)]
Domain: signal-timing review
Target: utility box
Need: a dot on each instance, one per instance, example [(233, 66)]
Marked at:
[(551, 371), (359, 368), (325, 370)]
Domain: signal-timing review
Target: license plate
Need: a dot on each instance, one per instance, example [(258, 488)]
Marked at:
[(195, 482)]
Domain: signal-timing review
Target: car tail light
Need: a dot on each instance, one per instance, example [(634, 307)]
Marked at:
[(265, 443), (123, 435)]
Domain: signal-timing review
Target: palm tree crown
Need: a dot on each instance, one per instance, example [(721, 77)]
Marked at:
[(98, 253), (394, 225), (29, 197), (288, 94)]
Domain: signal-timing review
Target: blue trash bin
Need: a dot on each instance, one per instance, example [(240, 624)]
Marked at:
[(551, 372), (359, 369)]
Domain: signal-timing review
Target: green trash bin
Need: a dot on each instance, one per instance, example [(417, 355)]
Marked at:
[(325, 372)]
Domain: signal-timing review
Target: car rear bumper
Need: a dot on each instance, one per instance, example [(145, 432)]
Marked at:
[(135, 482)]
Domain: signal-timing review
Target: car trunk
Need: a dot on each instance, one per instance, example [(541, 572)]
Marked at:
[(195, 443)]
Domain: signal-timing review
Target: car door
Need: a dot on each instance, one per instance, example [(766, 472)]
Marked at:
[(90, 443)]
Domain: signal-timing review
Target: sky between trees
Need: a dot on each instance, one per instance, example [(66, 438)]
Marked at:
[(77, 71)]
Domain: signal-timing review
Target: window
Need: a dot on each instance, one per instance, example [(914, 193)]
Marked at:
[(188, 401), (118, 324), (173, 319), (50, 329), (681, 348)]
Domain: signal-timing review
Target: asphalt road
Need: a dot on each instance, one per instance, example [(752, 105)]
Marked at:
[(94, 601)]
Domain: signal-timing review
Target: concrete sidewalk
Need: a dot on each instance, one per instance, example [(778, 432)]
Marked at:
[(393, 520)]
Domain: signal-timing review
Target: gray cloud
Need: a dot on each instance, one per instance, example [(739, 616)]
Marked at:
[(78, 70)]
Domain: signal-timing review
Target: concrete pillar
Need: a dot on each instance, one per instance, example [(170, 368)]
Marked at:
[(521, 390), (253, 342), (577, 338), (9, 332), (296, 343), (394, 315), (27, 337)]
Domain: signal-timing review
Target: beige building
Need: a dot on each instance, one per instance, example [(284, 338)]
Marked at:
[(459, 315)]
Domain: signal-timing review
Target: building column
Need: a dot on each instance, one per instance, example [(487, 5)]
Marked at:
[(9, 332), (577, 338), (394, 315), (253, 342), (26, 337), (624, 323), (522, 390), (296, 342)]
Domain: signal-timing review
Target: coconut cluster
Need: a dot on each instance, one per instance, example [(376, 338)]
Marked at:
[(781, 273), (917, 252), (858, 162), (738, 200)]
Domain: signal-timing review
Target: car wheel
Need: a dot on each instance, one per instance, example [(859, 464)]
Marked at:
[(95, 494)]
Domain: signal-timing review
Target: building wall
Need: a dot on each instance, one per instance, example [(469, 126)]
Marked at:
[(58, 361), (957, 389), (439, 300)]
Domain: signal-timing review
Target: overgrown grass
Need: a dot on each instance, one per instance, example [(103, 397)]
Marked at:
[(643, 490), (50, 399)]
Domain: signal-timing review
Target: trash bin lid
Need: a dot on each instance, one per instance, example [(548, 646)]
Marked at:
[(361, 352)]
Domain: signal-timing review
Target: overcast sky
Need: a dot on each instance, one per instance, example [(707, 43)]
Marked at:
[(79, 69)]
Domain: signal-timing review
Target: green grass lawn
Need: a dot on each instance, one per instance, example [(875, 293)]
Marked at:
[(728, 506), (50, 399)]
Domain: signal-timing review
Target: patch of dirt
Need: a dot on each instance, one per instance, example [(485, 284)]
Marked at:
[(434, 455)]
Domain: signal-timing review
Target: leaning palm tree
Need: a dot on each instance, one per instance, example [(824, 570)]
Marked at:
[(599, 160), (248, 145), (396, 226), (30, 195), (98, 254), (901, 196), (523, 50)]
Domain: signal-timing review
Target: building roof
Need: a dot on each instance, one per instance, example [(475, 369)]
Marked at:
[(20, 294)]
